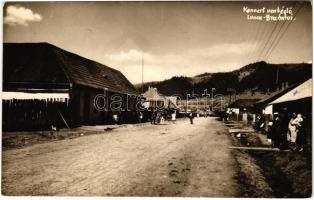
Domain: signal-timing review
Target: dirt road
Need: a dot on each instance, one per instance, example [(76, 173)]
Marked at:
[(149, 160)]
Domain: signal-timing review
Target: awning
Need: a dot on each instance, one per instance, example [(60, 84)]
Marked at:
[(302, 91), (40, 96)]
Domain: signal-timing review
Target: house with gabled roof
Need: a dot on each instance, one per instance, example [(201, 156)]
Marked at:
[(296, 98), (39, 75), (153, 99), (263, 105)]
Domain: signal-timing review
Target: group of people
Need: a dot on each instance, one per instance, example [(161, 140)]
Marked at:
[(160, 116), (155, 116), (119, 117), (286, 131), (296, 132)]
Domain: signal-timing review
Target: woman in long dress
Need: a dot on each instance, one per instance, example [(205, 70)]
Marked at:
[(292, 133)]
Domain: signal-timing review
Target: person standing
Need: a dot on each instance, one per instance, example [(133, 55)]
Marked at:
[(173, 116), (115, 118), (292, 133), (153, 117), (301, 135), (284, 121), (191, 116), (157, 117), (277, 130), (140, 117), (162, 119), (205, 114)]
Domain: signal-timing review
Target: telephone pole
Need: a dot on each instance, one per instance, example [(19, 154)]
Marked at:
[(277, 76), (142, 72)]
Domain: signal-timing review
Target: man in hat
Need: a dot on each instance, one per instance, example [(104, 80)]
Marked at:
[(191, 116), (276, 130)]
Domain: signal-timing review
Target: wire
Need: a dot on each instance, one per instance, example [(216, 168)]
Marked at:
[(263, 33), (251, 52), (276, 36), (270, 36), (285, 30)]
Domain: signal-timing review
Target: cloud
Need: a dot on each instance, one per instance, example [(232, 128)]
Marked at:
[(225, 49), (132, 56), (215, 58), (17, 15)]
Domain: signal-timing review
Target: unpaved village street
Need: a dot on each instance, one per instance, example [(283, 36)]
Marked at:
[(143, 160)]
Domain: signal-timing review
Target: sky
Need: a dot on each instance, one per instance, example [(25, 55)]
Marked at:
[(170, 38)]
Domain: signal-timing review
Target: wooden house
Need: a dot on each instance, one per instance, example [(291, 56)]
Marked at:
[(263, 106), (44, 85), (243, 109), (298, 100), (153, 99), (244, 105)]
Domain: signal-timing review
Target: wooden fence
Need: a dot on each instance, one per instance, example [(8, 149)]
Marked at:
[(24, 115)]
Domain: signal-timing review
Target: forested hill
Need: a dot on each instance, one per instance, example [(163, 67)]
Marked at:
[(260, 76)]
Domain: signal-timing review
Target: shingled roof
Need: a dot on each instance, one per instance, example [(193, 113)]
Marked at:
[(303, 91), (44, 65), (264, 102), (243, 103)]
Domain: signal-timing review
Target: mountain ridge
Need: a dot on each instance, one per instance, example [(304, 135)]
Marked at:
[(259, 76)]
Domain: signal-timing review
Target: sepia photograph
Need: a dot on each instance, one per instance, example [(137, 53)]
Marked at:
[(157, 99)]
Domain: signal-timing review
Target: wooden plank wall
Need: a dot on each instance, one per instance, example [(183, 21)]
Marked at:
[(26, 115)]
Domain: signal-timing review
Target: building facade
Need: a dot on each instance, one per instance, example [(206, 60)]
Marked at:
[(44, 85)]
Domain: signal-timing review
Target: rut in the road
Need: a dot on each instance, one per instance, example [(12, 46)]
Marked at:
[(167, 180)]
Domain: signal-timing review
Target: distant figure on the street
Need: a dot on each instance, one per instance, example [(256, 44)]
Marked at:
[(205, 114), (115, 118), (140, 117), (157, 117), (153, 117), (191, 116), (173, 116), (162, 119), (222, 115)]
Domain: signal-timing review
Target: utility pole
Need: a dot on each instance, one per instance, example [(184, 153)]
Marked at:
[(213, 98), (277, 76), (142, 72), (205, 100), (187, 102)]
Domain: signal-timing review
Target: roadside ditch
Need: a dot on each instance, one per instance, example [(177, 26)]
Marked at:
[(267, 172)]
